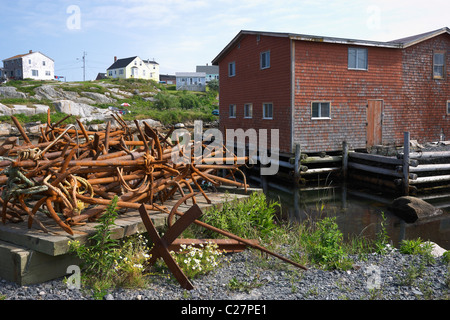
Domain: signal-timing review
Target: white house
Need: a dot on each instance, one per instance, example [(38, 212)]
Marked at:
[(31, 65), (133, 67), (191, 81)]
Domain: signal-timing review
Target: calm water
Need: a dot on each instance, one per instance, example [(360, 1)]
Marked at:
[(359, 212)]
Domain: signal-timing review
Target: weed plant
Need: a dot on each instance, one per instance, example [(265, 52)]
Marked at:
[(108, 262)]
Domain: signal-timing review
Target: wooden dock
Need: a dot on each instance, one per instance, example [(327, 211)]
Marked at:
[(404, 170), (30, 256)]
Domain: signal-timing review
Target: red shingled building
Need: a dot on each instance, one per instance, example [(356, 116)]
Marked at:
[(321, 91)]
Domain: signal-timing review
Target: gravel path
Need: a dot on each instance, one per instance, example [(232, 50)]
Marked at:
[(383, 277)]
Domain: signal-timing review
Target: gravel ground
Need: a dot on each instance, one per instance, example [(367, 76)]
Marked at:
[(380, 277)]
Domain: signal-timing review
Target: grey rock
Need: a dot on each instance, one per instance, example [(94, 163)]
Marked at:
[(98, 97), (11, 92), (411, 209), (85, 111)]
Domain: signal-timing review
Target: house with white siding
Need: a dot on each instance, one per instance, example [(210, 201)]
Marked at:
[(191, 81), (31, 65), (133, 67)]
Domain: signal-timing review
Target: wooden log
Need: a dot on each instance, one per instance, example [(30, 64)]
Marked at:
[(431, 179), (383, 171), (374, 158), (426, 155), (374, 180), (297, 161), (326, 159), (406, 143), (431, 167), (321, 170), (345, 159)]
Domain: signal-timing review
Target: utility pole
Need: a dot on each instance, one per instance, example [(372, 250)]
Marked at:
[(84, 66)]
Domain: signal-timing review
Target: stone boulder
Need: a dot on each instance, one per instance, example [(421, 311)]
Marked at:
[(411, 209), (11, 92), (18, 108), (84, 111), (28, 111), (98, 97), (5, 110), (52, 93), (5, 129)]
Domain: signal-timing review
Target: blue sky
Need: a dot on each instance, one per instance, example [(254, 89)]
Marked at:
[(181, 34)]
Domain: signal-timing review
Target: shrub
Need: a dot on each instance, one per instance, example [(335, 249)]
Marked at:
[(108, 262), (324, 245), (166, 101), (254, 218), (189, 100), (417, 247)]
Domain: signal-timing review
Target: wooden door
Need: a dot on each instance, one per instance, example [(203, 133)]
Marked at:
[(374, 122)]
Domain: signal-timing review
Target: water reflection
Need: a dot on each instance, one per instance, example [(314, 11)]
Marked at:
[(359, 212)]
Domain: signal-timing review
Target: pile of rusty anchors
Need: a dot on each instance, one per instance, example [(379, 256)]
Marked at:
[(161, 245), (72, 174)]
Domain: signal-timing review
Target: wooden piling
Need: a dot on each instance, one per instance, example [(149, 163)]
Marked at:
[(406, 143), (344, 160)]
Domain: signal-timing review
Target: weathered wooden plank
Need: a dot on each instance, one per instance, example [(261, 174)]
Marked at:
[(431, 167), (430, 179), (384, 171), (374, 158)]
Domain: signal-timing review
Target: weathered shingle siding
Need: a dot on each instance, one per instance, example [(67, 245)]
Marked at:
[(400, 77), (256, 86), (424, 112), (322, 74)]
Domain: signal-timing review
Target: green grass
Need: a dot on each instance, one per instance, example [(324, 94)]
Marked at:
[(170, 107)]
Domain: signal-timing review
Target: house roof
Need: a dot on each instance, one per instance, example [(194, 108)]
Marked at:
[(396, 44), (121, 63), (150, 61), (190, 74), (412, 40), (26, 54), (208, 69)]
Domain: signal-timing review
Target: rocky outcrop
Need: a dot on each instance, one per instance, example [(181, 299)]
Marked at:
[(412, 209), (25, 109), (84, 111), (49, 92), (52, 93), (11, 92), (98, 97)]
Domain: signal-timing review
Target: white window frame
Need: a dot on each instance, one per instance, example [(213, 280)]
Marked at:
[(319, 110), (264, 60), (232, 69), (266, 114), (248, 111), (437, 76), (448, 106), (358, 53), (35, 73), (232, 111)]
